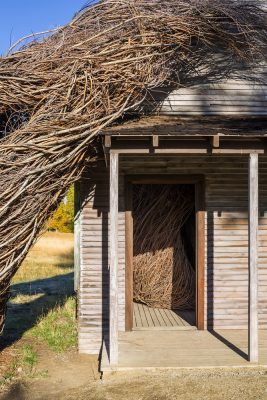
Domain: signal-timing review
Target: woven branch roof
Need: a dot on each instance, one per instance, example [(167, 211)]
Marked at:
[(58, 92)]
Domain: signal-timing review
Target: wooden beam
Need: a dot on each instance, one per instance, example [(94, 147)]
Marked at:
[(186, 151), (215, 141), (113, 271), (237, 151), (253, 259), (155, 141), (181, 151), (107, 141), (159, 151)]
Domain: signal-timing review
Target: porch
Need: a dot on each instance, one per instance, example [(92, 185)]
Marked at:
[(184, 349), (226, 252)]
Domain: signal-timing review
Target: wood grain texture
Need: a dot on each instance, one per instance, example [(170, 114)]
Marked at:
[(128, 257), (147, 318), (185, 349), (253, 258), (226, 250), (93, 304), (231, 97), (200, 256), (77, 235), (113, 265)]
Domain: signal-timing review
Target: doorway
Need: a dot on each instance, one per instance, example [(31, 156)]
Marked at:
[(164, 264)]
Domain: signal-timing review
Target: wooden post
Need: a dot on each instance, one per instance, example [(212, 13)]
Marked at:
[(200, 255), (128, 256), (253, 259), (113, 308)]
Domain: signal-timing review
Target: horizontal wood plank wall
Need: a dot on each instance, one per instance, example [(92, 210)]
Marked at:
[(225, 98), (226, 283), (93, 304), (227, 239)]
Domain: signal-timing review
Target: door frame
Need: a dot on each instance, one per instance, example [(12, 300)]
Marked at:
[(199, 182)]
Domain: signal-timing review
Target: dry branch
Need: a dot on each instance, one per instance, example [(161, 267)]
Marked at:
[(56, 95), (163, 275)]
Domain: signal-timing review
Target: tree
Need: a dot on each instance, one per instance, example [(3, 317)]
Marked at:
[(62, 220)]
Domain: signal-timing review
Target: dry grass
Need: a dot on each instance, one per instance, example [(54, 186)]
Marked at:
[(41, 310), (50, 256), (42, 303)]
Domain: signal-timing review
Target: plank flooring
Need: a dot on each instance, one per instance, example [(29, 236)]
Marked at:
[(148, 318), (185, 349)]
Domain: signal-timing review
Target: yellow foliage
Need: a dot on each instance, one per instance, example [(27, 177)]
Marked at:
[(62, 220)]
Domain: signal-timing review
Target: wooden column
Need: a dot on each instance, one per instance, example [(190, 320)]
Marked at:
[(200, 256), (113, 241), (128, 256), (253, 258)]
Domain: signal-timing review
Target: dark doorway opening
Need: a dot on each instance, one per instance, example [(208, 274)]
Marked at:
[(164, 256)]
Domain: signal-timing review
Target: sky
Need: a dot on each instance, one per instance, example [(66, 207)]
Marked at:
[(19, 18)]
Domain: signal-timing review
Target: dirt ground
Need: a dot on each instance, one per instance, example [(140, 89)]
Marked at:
[(45, 282), (75, 377)]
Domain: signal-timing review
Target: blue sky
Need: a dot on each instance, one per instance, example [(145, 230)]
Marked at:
[(22, 17)]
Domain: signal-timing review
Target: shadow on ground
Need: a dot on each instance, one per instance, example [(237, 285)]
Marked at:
[(16, 391), (23, 315)]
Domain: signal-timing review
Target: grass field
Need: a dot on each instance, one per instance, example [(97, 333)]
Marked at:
[(42, 303), (52, 255)]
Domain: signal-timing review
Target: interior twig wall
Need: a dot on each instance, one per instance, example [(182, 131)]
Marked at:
[(163, 275)]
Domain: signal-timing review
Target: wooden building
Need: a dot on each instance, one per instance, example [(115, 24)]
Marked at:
[(212, 137)]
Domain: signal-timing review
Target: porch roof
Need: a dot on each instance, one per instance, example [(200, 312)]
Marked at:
[(193, 126)]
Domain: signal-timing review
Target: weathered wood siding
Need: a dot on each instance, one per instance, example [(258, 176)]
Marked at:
[(234, 97), (93, 304), (226, 285)]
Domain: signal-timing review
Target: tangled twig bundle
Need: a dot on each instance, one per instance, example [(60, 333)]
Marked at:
[(58, 93), (163, 275)]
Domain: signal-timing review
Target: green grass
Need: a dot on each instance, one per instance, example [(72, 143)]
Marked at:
[(42, 304), (29, 356), (41, 309), (58, 327), (10, 372)]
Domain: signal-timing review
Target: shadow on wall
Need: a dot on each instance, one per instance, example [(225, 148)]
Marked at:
[(239, 98), (98, 193)]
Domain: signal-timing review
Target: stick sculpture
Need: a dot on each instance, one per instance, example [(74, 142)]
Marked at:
[(58, 92), (163, 275)]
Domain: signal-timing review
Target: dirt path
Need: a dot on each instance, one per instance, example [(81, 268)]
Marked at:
[(70, 376), (75, 378), (54, 373)]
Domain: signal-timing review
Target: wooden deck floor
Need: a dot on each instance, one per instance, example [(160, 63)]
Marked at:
[(147, 318), (184, 349)]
